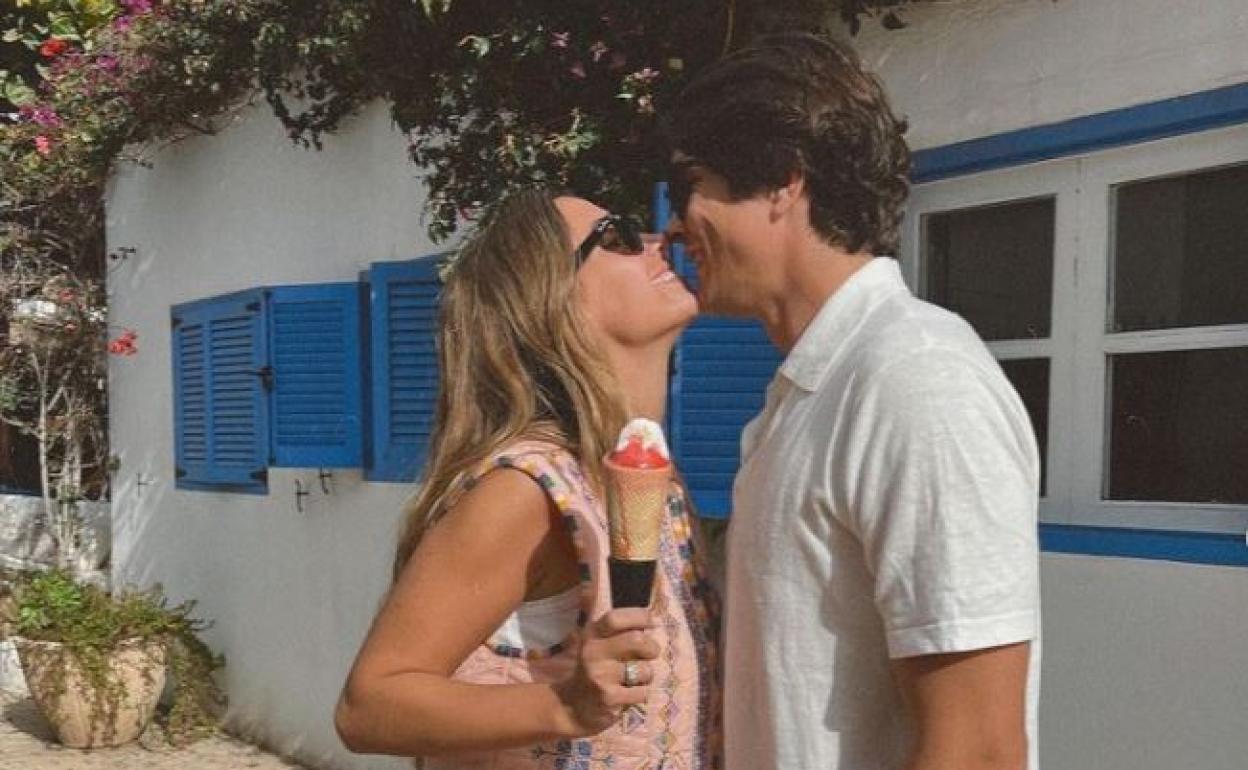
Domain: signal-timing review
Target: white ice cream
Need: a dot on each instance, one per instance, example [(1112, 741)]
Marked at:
[(651, 434)]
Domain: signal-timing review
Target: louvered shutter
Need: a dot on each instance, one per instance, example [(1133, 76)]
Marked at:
[(404, 313), (316, 357), (719, 382), (220, 405)]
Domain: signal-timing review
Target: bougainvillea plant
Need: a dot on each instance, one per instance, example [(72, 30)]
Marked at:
[(491, 94)]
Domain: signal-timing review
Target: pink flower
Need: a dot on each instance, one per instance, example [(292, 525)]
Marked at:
[(107, 63), (43, 116), (123, 23), (559, 39), (645, 75), (137, 7), (577, 70), (124, 344), (43, 145)]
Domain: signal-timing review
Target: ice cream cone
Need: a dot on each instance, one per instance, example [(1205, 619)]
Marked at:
[(636, 504)]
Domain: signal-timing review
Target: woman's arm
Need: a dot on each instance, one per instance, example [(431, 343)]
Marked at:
[(468, 574)]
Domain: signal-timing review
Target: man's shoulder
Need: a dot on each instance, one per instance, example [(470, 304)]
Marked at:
[(903, 333)]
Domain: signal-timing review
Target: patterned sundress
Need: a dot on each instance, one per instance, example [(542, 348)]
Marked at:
[(678, 728)]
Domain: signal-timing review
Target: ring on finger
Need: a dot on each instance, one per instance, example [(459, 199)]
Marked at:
[(632, 673)]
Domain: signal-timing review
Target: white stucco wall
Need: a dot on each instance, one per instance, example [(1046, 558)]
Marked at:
[(1142, 665), (969, 68), (291, 594)]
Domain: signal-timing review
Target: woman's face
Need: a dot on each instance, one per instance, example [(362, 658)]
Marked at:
[(631, 299)]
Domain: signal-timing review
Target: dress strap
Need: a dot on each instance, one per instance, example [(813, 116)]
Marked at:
[(558, 473)]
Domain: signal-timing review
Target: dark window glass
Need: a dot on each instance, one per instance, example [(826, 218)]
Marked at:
[(1030, 377), (993, 266), (1179, 426), (1180, 251)]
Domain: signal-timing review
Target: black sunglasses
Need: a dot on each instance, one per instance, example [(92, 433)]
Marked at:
[(613, 233)]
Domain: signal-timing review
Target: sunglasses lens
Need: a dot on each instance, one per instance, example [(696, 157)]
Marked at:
[(630, 234), (623, 237)]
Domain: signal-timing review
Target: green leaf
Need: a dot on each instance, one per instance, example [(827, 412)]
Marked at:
[(477, 44), (18, 93), (435, 7)]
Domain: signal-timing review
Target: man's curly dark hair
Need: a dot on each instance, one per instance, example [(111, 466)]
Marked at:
[(800, 103)]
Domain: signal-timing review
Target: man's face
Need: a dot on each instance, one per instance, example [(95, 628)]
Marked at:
[(726, 240)]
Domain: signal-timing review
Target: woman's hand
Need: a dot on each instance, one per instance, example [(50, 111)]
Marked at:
[(595, 696)]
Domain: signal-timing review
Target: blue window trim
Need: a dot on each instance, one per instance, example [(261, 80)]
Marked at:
[(1187, 114), (1167, 545), (1170, 117)]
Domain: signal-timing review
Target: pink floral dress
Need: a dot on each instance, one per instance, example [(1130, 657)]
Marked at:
[(678, 728)]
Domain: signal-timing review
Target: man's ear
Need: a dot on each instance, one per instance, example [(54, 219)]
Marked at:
[(785, 197)]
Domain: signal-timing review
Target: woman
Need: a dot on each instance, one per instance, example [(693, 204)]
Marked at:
[(495, 647)]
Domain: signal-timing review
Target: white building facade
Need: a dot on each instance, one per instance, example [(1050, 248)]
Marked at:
[(1091, 153)]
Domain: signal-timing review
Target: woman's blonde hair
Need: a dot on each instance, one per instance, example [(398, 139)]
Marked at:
[(515, 359)]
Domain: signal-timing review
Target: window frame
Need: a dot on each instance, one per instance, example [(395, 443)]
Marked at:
[(1080, 342)]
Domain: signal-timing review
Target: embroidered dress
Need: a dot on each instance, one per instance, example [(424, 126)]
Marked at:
[(678, 727)]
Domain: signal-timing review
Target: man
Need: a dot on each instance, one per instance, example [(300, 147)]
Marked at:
[(882, 607)]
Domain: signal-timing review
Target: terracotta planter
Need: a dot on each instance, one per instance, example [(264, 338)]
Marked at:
[(67, 701)]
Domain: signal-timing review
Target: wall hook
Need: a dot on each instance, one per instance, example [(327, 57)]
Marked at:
[(122, 254), (139, 483), (325, 477), (300, 493)]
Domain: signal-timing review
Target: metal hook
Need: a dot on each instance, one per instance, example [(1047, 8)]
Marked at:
[(325, 476), (122, 253), (139, 483), (300, 493)]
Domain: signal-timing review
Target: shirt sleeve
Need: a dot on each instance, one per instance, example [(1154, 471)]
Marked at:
[(942, 493)]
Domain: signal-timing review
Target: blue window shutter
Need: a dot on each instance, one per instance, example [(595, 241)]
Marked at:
[(220, 405), (720, 377), (316, 357), (404, 317)]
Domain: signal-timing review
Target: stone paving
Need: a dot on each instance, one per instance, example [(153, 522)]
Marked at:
[(27, 743)]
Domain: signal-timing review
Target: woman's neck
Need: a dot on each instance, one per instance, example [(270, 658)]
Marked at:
[(642, 374)]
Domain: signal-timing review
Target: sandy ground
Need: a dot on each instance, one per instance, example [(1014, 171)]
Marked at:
[(26, 743)]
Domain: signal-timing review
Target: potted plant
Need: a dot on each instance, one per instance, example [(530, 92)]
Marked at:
[(96, 662)]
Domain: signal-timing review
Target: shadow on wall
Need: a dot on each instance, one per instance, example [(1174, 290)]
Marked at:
[(26, 543)]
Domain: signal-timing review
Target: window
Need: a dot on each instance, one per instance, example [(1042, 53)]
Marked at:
[(278, 377), (266, 377), (1113, 289)]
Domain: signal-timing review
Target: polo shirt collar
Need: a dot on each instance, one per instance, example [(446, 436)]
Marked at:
[(834, 323)]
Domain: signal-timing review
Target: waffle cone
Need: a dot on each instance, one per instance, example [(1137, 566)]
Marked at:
[(636, 502)]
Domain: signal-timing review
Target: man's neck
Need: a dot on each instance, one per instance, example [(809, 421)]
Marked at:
[(815, 273)]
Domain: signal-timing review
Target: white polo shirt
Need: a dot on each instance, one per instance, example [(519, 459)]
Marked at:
[(885, 508)]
